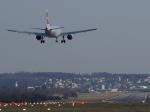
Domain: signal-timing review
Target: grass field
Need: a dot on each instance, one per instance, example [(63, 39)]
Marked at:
[(60, 107), (99, 102)]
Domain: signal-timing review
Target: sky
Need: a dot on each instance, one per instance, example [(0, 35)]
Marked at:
[(120, 45)]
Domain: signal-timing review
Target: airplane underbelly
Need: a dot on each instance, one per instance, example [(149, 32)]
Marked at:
[(54, 33)]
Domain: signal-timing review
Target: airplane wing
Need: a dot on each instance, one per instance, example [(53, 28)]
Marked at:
[(29, 33), (76, 32)]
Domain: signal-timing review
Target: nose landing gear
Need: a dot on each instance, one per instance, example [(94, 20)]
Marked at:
[(56, 40)]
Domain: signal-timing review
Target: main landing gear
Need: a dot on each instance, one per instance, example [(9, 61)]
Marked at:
[(63, 40), (42, 41)]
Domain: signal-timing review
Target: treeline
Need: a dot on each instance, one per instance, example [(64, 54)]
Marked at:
[(37, 95), (39, 78)]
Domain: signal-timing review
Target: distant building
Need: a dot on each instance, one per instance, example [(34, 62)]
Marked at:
[(147, 79), (16, 84), (30, 88), (114, 90), (143, 87), (119, 79), (103, 87), (74, 85)]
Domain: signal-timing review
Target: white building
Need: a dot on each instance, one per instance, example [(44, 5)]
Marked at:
[(103, 87), (16, 84)]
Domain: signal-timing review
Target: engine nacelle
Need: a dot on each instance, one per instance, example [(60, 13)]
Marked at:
[(69, 37), (39, 37)]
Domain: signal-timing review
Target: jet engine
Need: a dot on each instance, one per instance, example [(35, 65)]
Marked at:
[(39, 37), (69, 37)]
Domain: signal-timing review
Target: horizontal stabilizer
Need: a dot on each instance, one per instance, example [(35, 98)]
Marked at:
[(38, 28), (45, 29), (56, 28)]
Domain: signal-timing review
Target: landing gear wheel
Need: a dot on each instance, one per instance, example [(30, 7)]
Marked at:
[(42, 41), (63, 41)]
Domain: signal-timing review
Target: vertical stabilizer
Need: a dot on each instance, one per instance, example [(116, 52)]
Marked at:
[(47, 20)]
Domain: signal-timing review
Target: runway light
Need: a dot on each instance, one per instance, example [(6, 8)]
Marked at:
[(24, 109), (73, 104), (32, 105), (48, 109), (5, 105), (59, 105)]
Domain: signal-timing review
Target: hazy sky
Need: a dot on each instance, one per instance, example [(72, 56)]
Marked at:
[(122, 43)]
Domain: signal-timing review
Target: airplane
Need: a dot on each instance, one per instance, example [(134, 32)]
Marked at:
[(52, 32)]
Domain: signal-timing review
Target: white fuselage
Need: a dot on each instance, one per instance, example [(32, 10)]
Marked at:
[(53, 33)]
